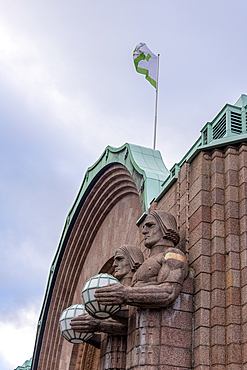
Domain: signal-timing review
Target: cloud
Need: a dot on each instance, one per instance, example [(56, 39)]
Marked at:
[(68, 88), (18, 334)]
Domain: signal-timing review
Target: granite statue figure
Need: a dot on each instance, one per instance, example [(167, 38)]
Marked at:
[(159, 280), (127, 260)]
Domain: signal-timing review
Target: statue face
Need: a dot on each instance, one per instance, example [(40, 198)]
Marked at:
[(121, 264), (152, 233)]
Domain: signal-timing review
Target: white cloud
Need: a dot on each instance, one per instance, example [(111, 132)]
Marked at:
[(18, 337), (40, 78), (68, 88)]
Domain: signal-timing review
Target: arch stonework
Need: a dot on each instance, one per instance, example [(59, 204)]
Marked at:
[(98, 230), (115, 193)]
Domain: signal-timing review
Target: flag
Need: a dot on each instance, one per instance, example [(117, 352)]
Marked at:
[(146, 63)]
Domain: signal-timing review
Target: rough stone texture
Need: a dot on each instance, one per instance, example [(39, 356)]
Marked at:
[(209, 202), (113, 350), (211, 213), (162, 337)]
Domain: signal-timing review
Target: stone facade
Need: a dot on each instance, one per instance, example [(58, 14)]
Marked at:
[(209, 200), (206, 327)]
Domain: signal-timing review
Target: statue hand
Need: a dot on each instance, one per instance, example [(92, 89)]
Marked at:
[(111, 294), (85, 323)]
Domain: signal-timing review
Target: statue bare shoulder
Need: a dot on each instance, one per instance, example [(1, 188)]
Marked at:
[(174, 267)]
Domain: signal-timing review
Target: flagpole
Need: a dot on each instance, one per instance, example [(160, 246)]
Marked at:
[(156, 104)]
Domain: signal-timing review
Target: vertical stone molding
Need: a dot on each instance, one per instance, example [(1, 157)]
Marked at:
[(199, 256), (218, 273), (183, 193), (241, 317), (233, 291)]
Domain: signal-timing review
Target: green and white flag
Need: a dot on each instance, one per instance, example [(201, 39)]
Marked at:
[(146, 62)]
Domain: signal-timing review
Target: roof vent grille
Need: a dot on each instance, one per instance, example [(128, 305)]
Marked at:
[(236, 124), (205, 136), (219, 129)]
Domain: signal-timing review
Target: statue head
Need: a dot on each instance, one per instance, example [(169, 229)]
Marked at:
[(127, 259), (160, 225)]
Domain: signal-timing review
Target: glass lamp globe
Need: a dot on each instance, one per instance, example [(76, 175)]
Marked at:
[(64, 323), (91, 305)]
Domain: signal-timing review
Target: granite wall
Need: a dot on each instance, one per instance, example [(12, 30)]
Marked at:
[(209, 329)]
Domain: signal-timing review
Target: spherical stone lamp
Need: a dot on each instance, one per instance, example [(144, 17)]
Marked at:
[(64, 323), (91, 305)]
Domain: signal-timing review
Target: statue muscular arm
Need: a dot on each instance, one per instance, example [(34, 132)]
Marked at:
[(85, 323), (161, 293)]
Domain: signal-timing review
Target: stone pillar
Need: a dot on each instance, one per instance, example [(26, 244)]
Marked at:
[(233, 291), (242, 317), (161, 338), (218, 273), (113, 352), (199, 257)]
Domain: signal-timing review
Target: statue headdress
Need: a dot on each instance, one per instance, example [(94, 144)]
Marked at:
[(167, 224), (134, 255)]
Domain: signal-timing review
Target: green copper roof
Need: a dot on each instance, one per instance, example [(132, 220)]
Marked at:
[(228, 127), (147, 162), (26, 366)]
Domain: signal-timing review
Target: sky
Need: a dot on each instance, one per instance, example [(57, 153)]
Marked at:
[(68, 88)]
